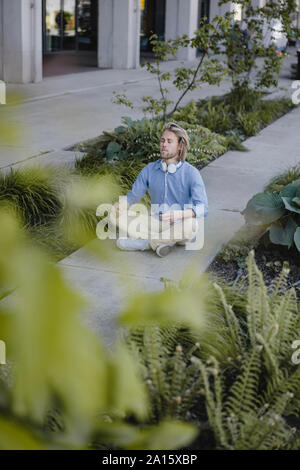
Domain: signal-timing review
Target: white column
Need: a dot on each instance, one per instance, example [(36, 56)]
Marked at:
[(37, 42), (182, 18), (1, 41), (105, 33), (171, 22), (119, 34), (21, 41)]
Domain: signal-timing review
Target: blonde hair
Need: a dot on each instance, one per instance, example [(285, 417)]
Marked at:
[(183, 138)]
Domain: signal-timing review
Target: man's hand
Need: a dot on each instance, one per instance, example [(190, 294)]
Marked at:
[(173, 216)]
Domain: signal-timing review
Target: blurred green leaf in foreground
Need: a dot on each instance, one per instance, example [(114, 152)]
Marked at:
[(60, 364)]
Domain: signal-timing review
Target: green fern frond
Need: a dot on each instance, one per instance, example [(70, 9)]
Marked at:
[(232, 322), (264, 433), (192, 387), (244, 391), (288, 383), (156, 356), (213, 402), (271, 358), (279, 284), (257, 305), (175, 378), (287, 318), (279, 405)]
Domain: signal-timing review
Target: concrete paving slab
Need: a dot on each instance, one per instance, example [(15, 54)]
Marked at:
[(219, 227), (261, 158), (55, 120), (231, 188), (59, 158), (11, 154), (62, 111), (74, 83), (68, 119), (107, 294)]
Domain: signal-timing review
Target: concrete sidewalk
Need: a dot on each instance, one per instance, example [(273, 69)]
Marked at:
[(230, 182), (61, 111), (65, 110), (59, 121)]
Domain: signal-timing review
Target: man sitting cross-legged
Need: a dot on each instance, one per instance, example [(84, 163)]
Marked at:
[(177, 195)]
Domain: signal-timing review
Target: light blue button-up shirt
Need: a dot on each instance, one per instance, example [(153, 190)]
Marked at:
[(183, 189)]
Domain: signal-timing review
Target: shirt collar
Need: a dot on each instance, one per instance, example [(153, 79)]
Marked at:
[(158, 164)]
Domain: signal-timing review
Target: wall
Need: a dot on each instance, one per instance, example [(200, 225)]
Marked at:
[(1, 39), (182, 18), (118, 35), (21, 41)]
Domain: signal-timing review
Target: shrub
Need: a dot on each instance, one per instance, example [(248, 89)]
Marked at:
[(133, 140), (248, 123), (244, 49), (217, 117), (235, 115), (33, 194), (209, 69), (138, 143), (279, 213), (39, 197), (77, 391)]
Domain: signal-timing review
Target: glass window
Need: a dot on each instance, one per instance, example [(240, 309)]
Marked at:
[(87, 24), (70, 25), (52, 25), (203, 10), (152, 21)]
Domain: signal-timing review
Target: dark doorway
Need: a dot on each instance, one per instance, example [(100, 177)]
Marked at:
[(153, 13), (70, 35), (203, 10)]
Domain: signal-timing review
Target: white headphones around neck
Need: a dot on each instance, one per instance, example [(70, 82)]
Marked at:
[(170, 168)]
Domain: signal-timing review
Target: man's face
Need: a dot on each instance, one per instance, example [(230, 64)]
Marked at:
[(169, 146)]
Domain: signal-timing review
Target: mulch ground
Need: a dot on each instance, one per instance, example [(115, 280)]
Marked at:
[(269, 259)]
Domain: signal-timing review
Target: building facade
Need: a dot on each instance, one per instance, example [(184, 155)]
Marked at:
[(108, 33)]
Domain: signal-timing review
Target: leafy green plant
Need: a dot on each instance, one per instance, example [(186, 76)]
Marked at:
[(233, 115), (40, 198), (279, 213), (249, 123), (66, 391), (32, 192), (208, 69), (239, 421), (172, 380), (235, 377), (138, 143), (260, 338), (279, 182), (216, 116), (213, 39)]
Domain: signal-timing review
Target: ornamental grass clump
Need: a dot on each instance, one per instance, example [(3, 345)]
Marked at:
[(32, 193)]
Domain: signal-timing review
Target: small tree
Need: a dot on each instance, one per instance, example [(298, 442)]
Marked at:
[(250, 49), (208, 69), (246, 51)]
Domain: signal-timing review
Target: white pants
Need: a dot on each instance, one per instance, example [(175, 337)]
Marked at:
[(148, 227)]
